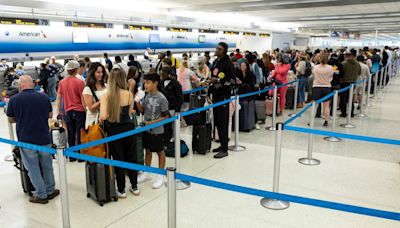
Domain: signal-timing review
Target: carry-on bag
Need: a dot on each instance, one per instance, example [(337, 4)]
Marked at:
[(260, 110), (201, 139), (100, 183), (269, 105), (247, 115)]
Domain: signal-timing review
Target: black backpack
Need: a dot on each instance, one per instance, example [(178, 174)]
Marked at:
[(308, 70)]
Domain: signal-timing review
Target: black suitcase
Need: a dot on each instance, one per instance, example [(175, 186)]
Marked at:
[(247, 115), (197, 101), (201, 138), (290, 98), (100, 183), (26, 183), (198, 118)]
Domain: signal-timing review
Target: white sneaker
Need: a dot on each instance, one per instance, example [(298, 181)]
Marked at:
[(144, 177), (121, 195), (257, 126), (160, 181), (134, 191)]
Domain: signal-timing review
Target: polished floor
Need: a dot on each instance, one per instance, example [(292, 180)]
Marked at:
[(351, 172)]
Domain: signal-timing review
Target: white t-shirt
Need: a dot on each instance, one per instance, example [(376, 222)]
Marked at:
[(121, 66), (92, 117)]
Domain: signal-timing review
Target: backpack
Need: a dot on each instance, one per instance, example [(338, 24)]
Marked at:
[(308, 70), (170, 152), (94, 133)]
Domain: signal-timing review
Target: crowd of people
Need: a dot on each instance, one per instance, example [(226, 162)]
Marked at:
[(111, 93)]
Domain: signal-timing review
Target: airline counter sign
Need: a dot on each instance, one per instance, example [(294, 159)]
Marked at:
[(22, 21)]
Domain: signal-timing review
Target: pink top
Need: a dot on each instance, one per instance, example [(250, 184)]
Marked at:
[(323, 75), (185, 78), (281, 72), (71, 89)]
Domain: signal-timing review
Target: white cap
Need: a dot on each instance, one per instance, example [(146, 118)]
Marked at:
[(71, 65)]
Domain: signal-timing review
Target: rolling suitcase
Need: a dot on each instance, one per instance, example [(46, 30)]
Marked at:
[(201, 139), (260, 110), (247, 115), (290, 98), (269, 104), (100, 183), (26, 183)]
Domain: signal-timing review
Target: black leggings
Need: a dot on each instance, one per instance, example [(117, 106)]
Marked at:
[(123, 150)]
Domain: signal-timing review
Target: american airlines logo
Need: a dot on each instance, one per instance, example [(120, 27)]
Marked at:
[(32, 34)]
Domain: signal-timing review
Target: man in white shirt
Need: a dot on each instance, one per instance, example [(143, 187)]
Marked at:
[(119, 64)]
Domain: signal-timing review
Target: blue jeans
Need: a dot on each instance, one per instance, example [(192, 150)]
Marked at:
[(36, 163), (51, 88), (75, 122), (302, 89)]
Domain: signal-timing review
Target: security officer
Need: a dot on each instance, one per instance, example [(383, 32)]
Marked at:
[(222, 71)]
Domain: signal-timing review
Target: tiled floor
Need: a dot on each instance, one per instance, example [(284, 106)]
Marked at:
[(359, 173)]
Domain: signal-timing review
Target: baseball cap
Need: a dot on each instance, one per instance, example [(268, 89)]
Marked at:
[(71, 65)]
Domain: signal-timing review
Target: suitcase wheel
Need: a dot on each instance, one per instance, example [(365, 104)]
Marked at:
[(88, 195), (115, 199), (101, 204)]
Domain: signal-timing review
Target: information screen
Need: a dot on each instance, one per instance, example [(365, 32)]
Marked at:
[(202, 38), (154, 38), (80, 37)]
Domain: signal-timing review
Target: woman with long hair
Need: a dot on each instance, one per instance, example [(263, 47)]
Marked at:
[(133, 84), (203, 72), (116, 108), (95, 89), (186, 78)]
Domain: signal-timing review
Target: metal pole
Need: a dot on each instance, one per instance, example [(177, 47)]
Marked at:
[(237, 147), (296, 94), (275, 204), (309, 160), (10, 157), (376, 85), (273, 127), (180, 185), (368, 91), (385, 77), (381, 81), (361, 102), (349, 109), (334, 117), (171, 197), (63, 188)]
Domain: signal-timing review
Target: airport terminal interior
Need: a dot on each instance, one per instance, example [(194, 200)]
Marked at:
[(281, 113)]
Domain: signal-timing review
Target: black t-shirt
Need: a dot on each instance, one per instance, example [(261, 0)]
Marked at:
[(224, 70), (31, 110)]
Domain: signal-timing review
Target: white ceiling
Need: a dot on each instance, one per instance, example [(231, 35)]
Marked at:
[(364, 16)]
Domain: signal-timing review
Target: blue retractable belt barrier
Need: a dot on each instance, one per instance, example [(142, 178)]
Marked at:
[(120, 164), (255, 93), (193, 111), (297, 114), (29, 146), (121, 135), (194, 90), (342, 135), (327, 97), (291, 198)]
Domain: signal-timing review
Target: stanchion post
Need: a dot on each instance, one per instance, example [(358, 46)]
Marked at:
[(275, 102), (381, 81), (63, 188), (269, 203), (349, 109), (361, 102), (334, 117), (368, 91), (296, 94), (237, 147), (309, 160), (171, 183), (385, 77), (376, 85), (180, 185)]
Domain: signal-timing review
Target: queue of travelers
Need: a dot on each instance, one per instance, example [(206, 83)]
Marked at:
[(111, 93)]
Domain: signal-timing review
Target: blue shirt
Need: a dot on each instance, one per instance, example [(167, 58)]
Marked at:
[(31, 110)]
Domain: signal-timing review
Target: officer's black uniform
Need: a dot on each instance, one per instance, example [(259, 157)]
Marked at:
[(224, 70)]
